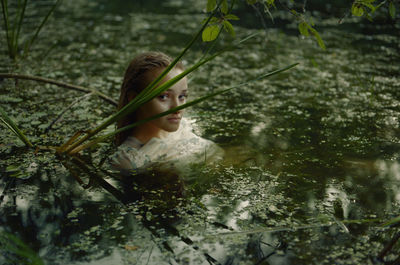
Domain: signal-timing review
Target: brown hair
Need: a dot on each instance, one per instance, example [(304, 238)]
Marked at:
[(135, 80)]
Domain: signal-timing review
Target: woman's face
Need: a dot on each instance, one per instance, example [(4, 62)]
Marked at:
[(175, 96)]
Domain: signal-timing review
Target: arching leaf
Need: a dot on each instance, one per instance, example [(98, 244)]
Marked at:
[(210, 33), (224, 7), (229, 28), (211, 4), (357, 10), (392, 10), (231, 17), (318, 37), (303, 28)]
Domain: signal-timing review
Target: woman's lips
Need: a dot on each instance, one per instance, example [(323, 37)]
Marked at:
[(174, 119)]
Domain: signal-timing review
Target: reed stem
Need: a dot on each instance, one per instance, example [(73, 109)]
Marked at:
[(60, 84)]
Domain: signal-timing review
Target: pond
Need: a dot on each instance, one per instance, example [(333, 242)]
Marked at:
[(312, 154)]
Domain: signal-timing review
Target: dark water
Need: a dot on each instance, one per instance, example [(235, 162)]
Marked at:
[(311, 170)]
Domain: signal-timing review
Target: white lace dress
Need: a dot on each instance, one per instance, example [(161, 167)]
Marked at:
[(179, 150)]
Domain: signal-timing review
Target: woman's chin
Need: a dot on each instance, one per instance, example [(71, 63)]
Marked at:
[(172, 128)]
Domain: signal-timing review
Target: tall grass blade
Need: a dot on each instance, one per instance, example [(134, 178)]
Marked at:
[(133, 105), (18, 25), (392, 221), (138, 101), (19, 16), (13, 29), (32, 40), (4, 6), (191, 103), (14, 128), (176, 60), (71, 140), (14, 245), (59, 84), (176, 79)]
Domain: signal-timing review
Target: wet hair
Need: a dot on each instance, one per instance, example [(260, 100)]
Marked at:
[(136, 79)]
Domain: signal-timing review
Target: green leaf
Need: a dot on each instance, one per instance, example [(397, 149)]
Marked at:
[(312, 22), (392, 10), (392, 221), (211, 4), (270, 2), (357, 10), (229, 28), (368, 16), (210, 33), (224, 7), (231, 17), (210, 21), (370, 6), (38, 29), (214, 20), (13, 245), (303, 28), (10, 124), (318, 37)]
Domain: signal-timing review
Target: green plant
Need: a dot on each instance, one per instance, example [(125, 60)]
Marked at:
[(394, 221), (10, 124), (77, 142), (149, 93), (75, 149), (13, 29), (306, 26), (15, 251), (212, 31)]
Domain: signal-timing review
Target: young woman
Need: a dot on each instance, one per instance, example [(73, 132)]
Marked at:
[(167, 142)]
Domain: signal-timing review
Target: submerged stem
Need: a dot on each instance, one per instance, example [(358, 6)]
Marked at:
[(60, 84)]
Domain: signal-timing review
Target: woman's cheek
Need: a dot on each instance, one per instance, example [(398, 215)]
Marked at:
[(161, 107)]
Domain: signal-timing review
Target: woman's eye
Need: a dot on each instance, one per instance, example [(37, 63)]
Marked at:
[(183, 96), (163, 96)]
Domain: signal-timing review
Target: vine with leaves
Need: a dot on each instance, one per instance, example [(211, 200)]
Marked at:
[(306, 26)]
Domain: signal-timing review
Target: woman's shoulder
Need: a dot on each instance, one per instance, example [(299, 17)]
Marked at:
[(127, 155), (131, 142)]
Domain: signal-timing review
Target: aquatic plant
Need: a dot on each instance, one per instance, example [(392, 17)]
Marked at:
[(75, 143), (306, 25), (15, 250), (75, 148), (392, 222), (60, 84), (13, 29), (287, 108), (10, 124)]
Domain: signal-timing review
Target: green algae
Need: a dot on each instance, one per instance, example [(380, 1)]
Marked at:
[(316, 147)]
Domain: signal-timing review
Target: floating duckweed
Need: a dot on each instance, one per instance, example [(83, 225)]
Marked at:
[(331, 122)]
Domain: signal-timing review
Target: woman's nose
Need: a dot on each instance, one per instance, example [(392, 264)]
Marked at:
[(176, 103)]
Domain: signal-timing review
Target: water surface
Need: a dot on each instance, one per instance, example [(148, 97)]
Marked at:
[(312, 154)]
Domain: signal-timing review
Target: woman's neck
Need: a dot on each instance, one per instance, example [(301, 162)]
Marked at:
[(146, 132)]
